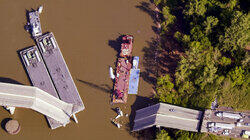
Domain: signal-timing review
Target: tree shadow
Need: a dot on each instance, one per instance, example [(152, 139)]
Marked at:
[(162, 53), (3, 123), (150, 61), (156, 30), (108, 89), (147, 8)]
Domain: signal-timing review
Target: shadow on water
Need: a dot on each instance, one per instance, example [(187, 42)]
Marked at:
[(140, 102), (27, 27), (116, 44), (108, 89), (147, 8), (151, 49), (162, 53), (150, 61), (3, 123), (160, 59), (9, 80)]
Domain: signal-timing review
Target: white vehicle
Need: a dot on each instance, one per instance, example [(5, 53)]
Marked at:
[(238, 124), (228, 115), (226, 132), (111, 73), (247, 133)]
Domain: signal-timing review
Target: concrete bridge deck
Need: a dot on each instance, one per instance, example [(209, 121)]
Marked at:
[(168, 116), (13, 95)]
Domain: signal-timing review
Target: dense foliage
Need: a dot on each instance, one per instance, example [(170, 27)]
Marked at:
[(214, 35), (163, 135)]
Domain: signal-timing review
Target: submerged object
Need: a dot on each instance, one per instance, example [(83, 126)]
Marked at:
[(111, 73), (12, 127), (118, 125), (119, 113)]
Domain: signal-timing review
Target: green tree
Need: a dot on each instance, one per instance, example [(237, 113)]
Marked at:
[(237, 76), (210, 22), (157, 2), (237, 35), (165, 83), (214, 35), (169, 19), (224, 61), (163, 135), (196, 8), (164, 89)]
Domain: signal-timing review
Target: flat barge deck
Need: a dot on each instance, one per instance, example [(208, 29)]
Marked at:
[(58, 70), (39, 75), (121, 81)]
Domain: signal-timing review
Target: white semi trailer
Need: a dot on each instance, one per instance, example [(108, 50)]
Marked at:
[(228, 115), (221, 125)]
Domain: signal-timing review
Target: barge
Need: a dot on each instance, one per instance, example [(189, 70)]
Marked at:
[(46, 67), (59, 71), (120, 94), (134, 77), (39, 75), (123, 67)]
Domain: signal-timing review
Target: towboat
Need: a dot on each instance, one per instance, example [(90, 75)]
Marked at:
[(34, 25), (126, 46)]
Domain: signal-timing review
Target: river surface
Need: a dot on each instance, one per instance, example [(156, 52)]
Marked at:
[(85, 31)]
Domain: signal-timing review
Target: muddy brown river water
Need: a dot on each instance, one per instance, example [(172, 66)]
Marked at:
[(85, 30)]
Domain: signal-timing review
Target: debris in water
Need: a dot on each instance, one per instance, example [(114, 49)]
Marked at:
[(116, 123), (40, 9), (111, 73), (119, 112)]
